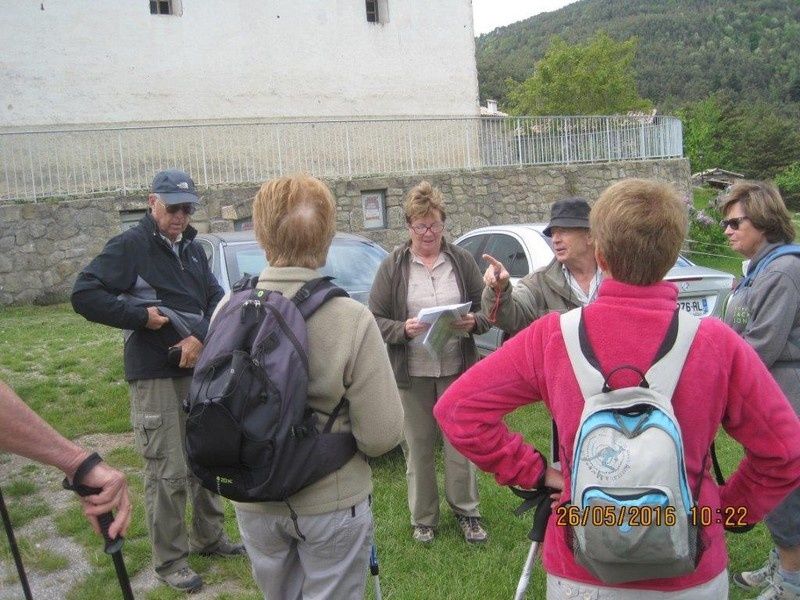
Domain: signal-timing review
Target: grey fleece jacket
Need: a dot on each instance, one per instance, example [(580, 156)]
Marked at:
[(767, 315), (538, 293)]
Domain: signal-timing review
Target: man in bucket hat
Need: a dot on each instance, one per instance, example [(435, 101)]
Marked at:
[(153, 281), (570, 280)]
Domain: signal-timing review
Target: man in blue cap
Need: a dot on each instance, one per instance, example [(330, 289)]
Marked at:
[(570, 280), (153, 281)]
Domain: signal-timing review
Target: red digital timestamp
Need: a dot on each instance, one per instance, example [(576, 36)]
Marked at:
[(569, 515), (727, 516)]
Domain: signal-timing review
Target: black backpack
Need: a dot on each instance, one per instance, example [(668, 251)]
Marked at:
[(250, 434)]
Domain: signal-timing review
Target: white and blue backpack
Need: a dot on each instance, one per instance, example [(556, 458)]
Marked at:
[(631, 500)]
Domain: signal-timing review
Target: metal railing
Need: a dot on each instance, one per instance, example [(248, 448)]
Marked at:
[(73, 162)]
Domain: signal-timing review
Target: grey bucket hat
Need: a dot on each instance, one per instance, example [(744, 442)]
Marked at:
[(175, 187), (569, 212)]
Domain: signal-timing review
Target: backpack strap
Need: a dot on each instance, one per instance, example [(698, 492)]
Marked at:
[(245, 283), (314, 294), (748, 279), (586, 367), (662, 375)]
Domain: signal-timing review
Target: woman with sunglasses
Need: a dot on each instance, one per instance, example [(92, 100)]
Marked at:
[(765, 310), (425, 272)]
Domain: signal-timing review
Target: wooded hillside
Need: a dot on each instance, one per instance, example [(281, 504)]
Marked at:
[(688, 49)]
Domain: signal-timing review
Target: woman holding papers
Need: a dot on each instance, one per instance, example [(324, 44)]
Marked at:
[(420, 286)]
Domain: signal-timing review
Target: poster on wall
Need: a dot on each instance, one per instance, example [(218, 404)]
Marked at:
[(374, 205)]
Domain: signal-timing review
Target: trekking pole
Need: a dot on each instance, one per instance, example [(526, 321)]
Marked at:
[(12, 541), (538, 500), (374, 568), (112, 547)]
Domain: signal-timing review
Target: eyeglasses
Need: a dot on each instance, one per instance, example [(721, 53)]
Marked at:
[(733, 223), (188, 209), (433, 228)]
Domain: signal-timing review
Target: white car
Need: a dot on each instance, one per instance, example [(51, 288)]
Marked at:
[(524, 248)]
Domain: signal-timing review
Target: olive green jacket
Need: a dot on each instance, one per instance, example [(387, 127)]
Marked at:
[(543, 291), (388, 303)]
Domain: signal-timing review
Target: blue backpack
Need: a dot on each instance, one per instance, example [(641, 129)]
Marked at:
[(631, 500)]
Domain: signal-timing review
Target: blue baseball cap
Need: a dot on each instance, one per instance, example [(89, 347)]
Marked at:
[(175, 187)]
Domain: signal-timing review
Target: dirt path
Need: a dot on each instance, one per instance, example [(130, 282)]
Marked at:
[(56, 585)]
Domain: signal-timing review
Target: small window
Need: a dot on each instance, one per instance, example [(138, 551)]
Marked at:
[(245, 224), (377, 11), (160, 7), (372, 11), (166, 7)]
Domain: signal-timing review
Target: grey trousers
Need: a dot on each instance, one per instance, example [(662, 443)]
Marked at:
[(159, 426), (330, 564), (562, 589), (422, 434)]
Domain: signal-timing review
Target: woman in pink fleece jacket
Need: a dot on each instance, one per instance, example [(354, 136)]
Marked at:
[(638, 227)]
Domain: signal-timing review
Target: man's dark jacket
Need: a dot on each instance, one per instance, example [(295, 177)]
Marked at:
[(140, 265)]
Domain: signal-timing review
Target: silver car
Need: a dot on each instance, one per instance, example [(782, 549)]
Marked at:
[(524, 248), (352, 260)]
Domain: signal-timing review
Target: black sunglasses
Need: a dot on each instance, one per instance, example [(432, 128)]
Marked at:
[(732, 223), (188, 209)]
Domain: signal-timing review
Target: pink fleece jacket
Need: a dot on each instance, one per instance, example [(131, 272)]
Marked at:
[(723, 382)]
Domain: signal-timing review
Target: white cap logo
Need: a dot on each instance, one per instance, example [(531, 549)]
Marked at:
[(183, 185)]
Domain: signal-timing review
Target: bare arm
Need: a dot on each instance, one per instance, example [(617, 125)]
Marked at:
[(24, 432)]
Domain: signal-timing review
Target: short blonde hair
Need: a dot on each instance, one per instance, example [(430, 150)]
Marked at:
[(294, 219), (638, 226), (763, 205), (423, 199)]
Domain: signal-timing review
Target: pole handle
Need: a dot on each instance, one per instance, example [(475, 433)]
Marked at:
[(373, 560), (539, 501), (104, 520)]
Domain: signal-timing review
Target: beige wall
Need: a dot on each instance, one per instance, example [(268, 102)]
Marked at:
[(44, 245)]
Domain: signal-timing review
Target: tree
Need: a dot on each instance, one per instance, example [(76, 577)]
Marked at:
[(596, 78), (754, 139), (707, 133)]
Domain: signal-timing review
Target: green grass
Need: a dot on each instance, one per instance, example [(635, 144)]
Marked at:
[(19, 487), (23, 512), (67, 369), (35, 558), (70, 371)]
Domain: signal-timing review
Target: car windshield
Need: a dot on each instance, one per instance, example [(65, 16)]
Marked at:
[(352, 263)]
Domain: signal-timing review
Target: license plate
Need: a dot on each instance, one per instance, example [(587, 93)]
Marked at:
[(698, 307)]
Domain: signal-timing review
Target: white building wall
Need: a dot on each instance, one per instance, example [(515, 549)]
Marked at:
[(110, 61)]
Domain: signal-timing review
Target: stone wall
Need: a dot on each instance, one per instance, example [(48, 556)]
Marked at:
[(44, 245)]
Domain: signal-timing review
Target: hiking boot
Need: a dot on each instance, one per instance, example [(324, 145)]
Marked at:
[(780, 590), (423, 534), (474, 533), (225, 548), (183, 580), (755, 580)]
